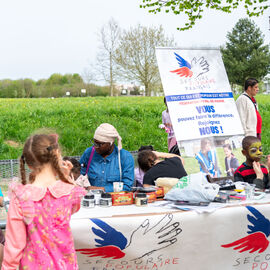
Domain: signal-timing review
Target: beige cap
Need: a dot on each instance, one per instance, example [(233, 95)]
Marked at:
[(108, 133)]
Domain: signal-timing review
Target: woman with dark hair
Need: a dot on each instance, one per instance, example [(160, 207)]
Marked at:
[(152, 163), (231, 162), (139, 173), (207, 159)]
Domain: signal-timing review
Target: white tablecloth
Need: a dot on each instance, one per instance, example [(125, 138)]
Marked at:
[(155, 237)]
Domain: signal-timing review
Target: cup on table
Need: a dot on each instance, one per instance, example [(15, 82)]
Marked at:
[(117, 186), (249, 190)]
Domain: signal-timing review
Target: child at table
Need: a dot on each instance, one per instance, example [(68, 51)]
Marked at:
[(38, 234), (251, 171), (75, 173)]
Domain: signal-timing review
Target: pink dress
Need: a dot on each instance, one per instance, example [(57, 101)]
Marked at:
[(38, 235)]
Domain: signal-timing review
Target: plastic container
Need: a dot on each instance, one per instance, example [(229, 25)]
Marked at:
[(88, 201), (97, 193), (105, 200), (141, 199)]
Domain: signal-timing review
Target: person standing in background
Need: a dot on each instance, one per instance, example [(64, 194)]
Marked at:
[(166, 121), (248, 109)]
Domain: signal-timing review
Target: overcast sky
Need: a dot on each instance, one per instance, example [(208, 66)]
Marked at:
[(41, 37)]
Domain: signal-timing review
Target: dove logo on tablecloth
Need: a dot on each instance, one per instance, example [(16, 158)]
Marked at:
[(256, 240), (196, 68), (114, 244)]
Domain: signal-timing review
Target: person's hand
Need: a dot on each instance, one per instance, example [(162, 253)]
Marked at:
[(257, 169), (113, 244), (163, 234), (66, 169), (199, 66), (95, 187), (268, 162)]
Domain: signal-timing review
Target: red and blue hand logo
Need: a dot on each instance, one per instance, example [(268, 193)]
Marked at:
[(185, 67), (113, 244), (195, 69), (256, 240)]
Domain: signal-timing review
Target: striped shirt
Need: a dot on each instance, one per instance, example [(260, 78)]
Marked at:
[(247, 174)]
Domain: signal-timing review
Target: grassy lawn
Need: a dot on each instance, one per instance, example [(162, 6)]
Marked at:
[(75, 120)]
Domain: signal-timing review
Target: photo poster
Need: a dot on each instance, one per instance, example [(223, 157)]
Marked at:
[(202, 109)]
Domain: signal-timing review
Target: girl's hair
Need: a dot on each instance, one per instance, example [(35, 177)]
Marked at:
[(38, 150), (146, 159)]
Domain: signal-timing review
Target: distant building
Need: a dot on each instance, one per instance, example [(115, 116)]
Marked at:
[(130, 89)]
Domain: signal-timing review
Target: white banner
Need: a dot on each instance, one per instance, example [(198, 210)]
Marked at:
[(198, 93), (230, 238)]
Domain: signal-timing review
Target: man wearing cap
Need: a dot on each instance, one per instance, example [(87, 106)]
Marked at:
[(105, 163)]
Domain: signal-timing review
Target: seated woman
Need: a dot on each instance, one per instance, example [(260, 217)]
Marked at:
[(150, 162), (105, 163), (207, 159), (139, 173)]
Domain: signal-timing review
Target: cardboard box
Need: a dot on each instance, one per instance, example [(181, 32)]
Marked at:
[(159, 192), (151, 196), (122, 198)]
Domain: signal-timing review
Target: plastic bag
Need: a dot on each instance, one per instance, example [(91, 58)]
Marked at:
[(193, 188), (166, 182)]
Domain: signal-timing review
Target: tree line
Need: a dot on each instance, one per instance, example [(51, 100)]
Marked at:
[(56, 86)]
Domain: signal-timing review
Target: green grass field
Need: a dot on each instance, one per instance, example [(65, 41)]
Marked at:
[(75, 120)]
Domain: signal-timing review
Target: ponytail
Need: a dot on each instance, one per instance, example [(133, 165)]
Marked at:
[(22, 170), (32, 177), (55, 164)]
